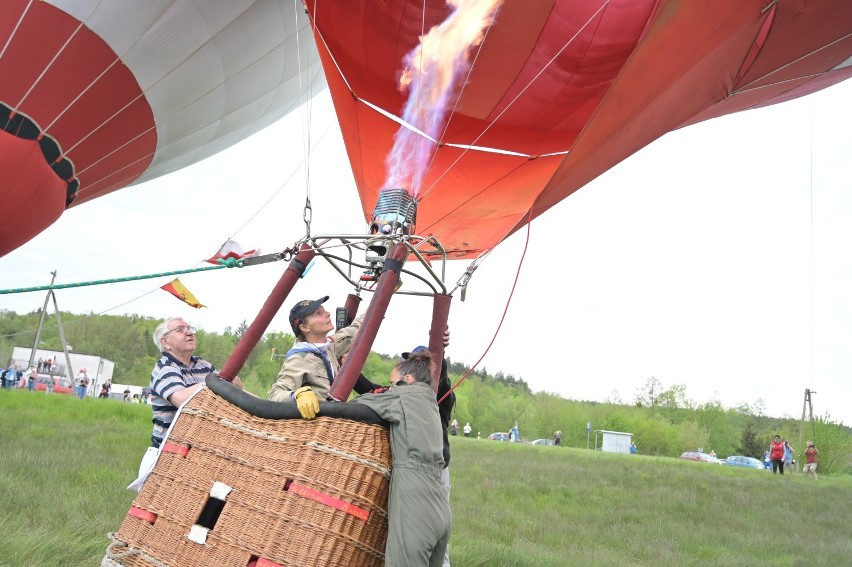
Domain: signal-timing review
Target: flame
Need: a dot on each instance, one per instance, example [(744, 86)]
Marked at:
[(431, 75)]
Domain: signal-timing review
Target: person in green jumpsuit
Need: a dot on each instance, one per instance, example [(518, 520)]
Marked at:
[(419, 517)]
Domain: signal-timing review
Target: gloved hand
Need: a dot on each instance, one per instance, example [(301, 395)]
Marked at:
[(306, 402)]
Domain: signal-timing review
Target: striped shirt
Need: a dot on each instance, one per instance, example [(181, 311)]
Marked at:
[(169, 376)]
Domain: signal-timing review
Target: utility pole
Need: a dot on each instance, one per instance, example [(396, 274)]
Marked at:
[(41, 321), (50, 294), (68, 371), (807, 406)]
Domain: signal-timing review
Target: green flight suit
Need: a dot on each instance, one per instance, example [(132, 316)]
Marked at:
[(419, 518)]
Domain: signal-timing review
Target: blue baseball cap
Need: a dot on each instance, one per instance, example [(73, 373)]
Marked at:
[(420, 348)]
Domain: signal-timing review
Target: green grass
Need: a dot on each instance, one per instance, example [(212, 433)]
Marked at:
[(64, 465), (531, 505)]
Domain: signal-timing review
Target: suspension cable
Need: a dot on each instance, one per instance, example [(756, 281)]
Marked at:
[(306, 113), (505, 310)]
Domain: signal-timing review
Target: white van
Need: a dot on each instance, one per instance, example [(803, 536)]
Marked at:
[(117, 391)]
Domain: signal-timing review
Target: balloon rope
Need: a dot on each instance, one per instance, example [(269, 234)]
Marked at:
[(811, 227), (505, 310), (223, 263)]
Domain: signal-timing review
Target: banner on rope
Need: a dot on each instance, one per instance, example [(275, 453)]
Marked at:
[(176, 288), (230, 249)]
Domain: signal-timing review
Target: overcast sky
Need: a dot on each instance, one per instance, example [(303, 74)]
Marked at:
[(717, 258)]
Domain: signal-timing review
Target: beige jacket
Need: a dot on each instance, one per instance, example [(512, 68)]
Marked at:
[(308, 369)]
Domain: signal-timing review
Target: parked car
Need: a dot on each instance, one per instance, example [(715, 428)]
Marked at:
[(544, 442), (60, 385), (699, 456), (741, 461), (499, 436)]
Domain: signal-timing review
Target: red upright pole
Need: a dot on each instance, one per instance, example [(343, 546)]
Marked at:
[(440, 316), (352, 303), (273, 303), (360, 349)]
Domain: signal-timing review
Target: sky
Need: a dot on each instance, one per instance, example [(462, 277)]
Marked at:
[(716, 258)]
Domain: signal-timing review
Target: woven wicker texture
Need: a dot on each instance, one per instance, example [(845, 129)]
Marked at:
[(277, 470)]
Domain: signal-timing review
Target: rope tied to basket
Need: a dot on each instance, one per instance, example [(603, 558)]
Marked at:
[(112, 556)]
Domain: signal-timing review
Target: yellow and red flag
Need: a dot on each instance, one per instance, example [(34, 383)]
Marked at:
[(176, 288)]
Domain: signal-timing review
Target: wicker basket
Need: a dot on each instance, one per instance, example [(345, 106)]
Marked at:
[(287, 491)]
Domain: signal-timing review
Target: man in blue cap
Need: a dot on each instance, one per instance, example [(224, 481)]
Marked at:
[(313, 363)]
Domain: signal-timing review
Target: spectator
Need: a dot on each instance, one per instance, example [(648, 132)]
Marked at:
[(633, 448), (49, 384), (479, 435), (767, 462), (40, 364), (176, 376), (557, 437), (81, 383), (776, 455), (789, 461), (104, 394), (312, 364), (419, 517), (515, 434), (467, 429), (13, 375), (454, 427), (811, 454), (30, 376)]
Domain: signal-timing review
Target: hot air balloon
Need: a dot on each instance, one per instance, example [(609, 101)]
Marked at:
[(97, 96), (551, 94), (560, 91)]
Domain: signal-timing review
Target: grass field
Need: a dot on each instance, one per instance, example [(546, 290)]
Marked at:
[(64, 465)]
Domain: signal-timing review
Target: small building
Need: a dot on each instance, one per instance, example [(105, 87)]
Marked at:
[(99, 369), (613, 441)]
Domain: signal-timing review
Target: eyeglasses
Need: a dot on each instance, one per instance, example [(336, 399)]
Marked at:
[(182, 330)]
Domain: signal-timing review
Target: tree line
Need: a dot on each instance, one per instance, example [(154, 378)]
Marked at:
[(662, 419)]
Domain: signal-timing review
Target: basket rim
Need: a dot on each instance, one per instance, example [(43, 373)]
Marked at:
[(266, 409)]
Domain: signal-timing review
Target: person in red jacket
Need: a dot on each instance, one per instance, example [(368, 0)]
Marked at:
[(776, 454)]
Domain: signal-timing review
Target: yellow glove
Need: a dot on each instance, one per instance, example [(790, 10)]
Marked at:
[(306, 402)]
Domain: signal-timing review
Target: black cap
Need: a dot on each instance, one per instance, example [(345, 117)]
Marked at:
[(302, 310), (420, 348)]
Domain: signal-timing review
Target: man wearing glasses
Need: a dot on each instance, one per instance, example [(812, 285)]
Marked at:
[(177, 375)]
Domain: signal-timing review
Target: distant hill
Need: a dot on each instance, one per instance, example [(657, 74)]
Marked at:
[(662, 419)]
